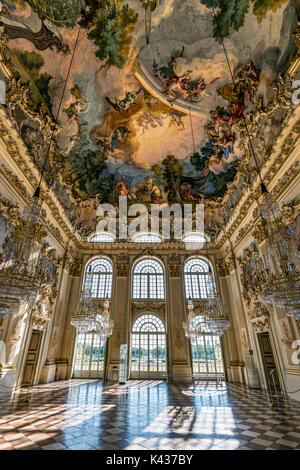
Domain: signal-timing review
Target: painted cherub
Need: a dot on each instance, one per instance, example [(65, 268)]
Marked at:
[(122, 189), (126, 103)]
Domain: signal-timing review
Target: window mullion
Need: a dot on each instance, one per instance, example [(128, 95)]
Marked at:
[(205, 351), (105, 283), (83, 351)]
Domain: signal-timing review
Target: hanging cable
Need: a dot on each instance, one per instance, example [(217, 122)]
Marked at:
[(192, 128), (38, 189), (262, 185)]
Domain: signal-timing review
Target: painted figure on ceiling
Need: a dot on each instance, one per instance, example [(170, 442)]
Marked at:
[(122, 189), (117, 137), (176, 120), (154, 190), (148, 119), (126, 103), (185, 192), (179, 85), (246, 83), (78, 106)]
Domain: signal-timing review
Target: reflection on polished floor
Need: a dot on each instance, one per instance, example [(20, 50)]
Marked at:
[(83, 414)]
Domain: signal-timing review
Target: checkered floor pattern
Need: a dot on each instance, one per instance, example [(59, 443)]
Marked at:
[(85, 414)]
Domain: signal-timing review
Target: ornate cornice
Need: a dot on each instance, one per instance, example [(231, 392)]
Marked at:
[(272, 163), (20, 159)]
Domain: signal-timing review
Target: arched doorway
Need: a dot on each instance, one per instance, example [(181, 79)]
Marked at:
[(89, 356), (206, 349), (89, 353), (148, 348)]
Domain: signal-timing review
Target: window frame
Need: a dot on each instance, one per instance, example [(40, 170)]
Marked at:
[(141, 234), (193, 278), (196, 235), (106, 234), (139, 338), (135, 275), (204, 338), (109, 276)]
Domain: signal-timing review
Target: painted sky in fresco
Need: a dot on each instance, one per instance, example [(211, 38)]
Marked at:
[(171, 97)]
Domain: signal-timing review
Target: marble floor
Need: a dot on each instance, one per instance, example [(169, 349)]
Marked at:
[(83, 414)]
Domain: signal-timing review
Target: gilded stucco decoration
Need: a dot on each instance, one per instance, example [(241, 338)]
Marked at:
[(118, 105), (259, 315), (122, 265), (75, 268), (249, 267), (41, 311), (143, 307)]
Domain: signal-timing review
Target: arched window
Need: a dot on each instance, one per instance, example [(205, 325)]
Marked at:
[(148, 347), (194, 237), (147, 238), (206, 351), (198, 279), (148, 280), (102, 237), (98, 278)]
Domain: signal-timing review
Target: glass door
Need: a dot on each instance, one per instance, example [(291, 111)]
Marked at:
[(148, 348), (207, 356), (89, 356)]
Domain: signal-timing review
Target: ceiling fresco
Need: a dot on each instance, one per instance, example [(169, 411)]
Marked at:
[(150, 110)]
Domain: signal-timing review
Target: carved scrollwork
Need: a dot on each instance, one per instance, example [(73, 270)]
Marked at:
[(122, 269), (122, 265), (75, 268), (41, 311), (250, 263), (142, 307), (259, 315), (174, 269)]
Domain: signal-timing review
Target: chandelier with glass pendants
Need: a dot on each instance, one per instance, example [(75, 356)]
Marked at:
[(280, 279), (20, 276)]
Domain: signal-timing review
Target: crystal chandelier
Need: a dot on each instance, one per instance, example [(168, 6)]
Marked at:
[(90, 319), (101, 323), (216, 313), (108, 324), (8, 305), (217, 316), (83, 319), (188, 325), (196, 324), (90, 316), (280, 284), (20, 278)]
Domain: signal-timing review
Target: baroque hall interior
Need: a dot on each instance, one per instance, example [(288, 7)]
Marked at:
[(150, 224)]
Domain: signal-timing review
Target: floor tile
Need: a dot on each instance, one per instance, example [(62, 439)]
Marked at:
[(86, 415)]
